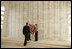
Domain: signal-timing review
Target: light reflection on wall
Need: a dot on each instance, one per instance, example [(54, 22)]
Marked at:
[(2, 15), (69, 27)]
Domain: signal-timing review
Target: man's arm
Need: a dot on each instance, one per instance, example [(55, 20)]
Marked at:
[(23, 30)]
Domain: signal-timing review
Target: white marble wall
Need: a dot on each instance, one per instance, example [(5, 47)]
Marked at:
[(51, 17)]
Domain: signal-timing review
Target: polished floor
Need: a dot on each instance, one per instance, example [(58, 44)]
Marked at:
[(32, 44)]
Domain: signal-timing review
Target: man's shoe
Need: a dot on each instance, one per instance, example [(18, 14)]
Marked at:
[(24, 44), (29, 39)]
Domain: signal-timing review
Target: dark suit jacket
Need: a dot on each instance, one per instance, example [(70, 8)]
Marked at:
[(26, 30)]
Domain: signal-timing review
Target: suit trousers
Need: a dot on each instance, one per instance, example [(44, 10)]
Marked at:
[(36, 36)]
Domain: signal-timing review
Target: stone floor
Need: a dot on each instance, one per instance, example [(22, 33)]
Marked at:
[(31, 44)]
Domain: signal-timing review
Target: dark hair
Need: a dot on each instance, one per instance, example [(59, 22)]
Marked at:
[(26, 23), (35, 24)]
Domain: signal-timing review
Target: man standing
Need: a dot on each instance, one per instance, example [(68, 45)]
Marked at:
[(26, 32), (36, 32)]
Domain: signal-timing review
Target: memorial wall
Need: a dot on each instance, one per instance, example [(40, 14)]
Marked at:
[(51, 16)]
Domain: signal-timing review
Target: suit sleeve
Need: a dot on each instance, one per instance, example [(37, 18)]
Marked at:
[(23, 30)]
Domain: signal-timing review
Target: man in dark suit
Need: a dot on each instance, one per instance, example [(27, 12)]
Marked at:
[(26, 32), (36, 32)]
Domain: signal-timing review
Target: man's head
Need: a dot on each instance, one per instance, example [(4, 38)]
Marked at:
[(27, 23), (35, 24)]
